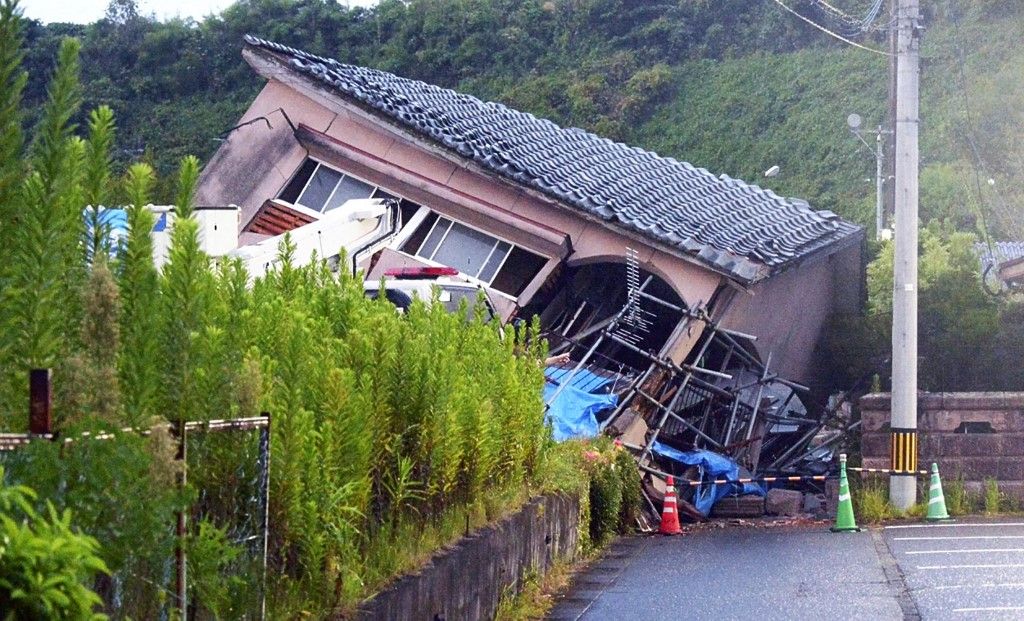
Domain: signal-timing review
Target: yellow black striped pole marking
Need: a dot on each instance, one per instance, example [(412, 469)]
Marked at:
[(904, 451)]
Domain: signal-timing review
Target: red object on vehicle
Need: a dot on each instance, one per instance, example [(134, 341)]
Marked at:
[(407, 273)]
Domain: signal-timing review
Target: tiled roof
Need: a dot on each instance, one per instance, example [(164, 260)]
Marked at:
[(998, 252), (743, 230)]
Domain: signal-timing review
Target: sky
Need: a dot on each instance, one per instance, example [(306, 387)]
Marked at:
[(87, 11)]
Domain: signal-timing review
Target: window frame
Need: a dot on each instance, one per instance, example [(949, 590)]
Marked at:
[(451, 223), (334, 189)]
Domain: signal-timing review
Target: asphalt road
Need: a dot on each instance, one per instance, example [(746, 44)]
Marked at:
[(736, 573), (963, 571)]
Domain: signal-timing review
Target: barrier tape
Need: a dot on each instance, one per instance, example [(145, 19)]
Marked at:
[(11, 441), (889, 471), (809, 477), (794, 478)]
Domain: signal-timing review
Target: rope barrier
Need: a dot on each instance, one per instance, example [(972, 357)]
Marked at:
[(11, 441)]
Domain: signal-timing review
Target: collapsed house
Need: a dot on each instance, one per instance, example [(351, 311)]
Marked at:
[(695, 302)]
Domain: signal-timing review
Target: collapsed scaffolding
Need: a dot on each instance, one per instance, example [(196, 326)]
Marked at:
[(681, 420)]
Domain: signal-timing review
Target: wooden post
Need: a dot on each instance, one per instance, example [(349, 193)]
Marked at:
[(40, 401)]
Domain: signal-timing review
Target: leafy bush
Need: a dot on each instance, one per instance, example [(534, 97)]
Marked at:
[(958, 499), (44, 563)]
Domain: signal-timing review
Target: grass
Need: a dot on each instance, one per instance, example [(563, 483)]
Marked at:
[(959, 500), (993, 497), (537, 595)]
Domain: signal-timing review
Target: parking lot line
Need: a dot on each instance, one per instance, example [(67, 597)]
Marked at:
[(971, 551), (947, 525), (989, 609), (985, 585), (955, 538), (993, 566)]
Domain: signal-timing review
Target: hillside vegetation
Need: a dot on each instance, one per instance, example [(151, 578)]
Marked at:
[(735, 86)]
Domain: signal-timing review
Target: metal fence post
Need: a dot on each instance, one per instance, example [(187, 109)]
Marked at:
[(40, 401), (181, 585), (265, 483)]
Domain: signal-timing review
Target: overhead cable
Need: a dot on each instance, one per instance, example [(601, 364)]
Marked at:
[(829, 32)]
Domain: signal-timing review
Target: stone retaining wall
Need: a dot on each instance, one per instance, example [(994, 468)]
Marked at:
[(467, 580), (974, 435)]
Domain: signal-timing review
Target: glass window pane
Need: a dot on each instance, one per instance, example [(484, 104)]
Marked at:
[(497, 257), (413, 243), (434, 238), (348, 189), (294, 187), (465, 249), (319, 189)]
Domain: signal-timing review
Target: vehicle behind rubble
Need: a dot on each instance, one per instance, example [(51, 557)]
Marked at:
[(403, 285)]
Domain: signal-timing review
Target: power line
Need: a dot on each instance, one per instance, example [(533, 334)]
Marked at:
[(853, 26), (829, 32), (977, 162)]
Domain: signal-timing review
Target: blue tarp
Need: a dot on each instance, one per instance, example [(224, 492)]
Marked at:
[(574, 413), (712, 466)]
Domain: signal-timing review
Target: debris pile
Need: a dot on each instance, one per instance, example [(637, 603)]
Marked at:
[(721, 415)]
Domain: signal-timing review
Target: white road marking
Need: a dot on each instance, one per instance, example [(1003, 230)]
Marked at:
[(980, 525), (986, 585), (971, 551), (996, 566), (952, 538), (992, 609)]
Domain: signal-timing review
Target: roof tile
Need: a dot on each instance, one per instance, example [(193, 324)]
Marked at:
[(734, 226)]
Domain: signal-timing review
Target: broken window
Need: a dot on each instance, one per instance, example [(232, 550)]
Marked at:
[(476, 254)]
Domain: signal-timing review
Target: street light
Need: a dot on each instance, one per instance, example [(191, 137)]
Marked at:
[(854, 121)]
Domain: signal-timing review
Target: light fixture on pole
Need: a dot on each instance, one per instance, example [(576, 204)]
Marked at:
[(854, 121)]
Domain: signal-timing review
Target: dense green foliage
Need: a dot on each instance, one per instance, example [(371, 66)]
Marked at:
[(44, 562), (734, 86), (388, 429)]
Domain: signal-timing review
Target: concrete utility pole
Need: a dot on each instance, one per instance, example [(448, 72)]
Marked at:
[(903, 487)]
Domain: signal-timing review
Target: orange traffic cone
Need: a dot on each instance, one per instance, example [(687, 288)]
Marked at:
[(669, 511)]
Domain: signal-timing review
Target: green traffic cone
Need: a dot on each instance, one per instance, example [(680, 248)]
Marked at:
[(936, 501), (845, 521)]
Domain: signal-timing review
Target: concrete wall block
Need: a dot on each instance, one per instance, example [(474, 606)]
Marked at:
[(929, 447), (973, 401), (1013, 400), (1011, 470), (784, 502), (467, 580), (881, 401), (929, 401), (873, 420), (942, 420), (1011, 444), (1013, 420), (979, 469), (971, 445), (874, 445), (876, 462), (1014, 490)]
